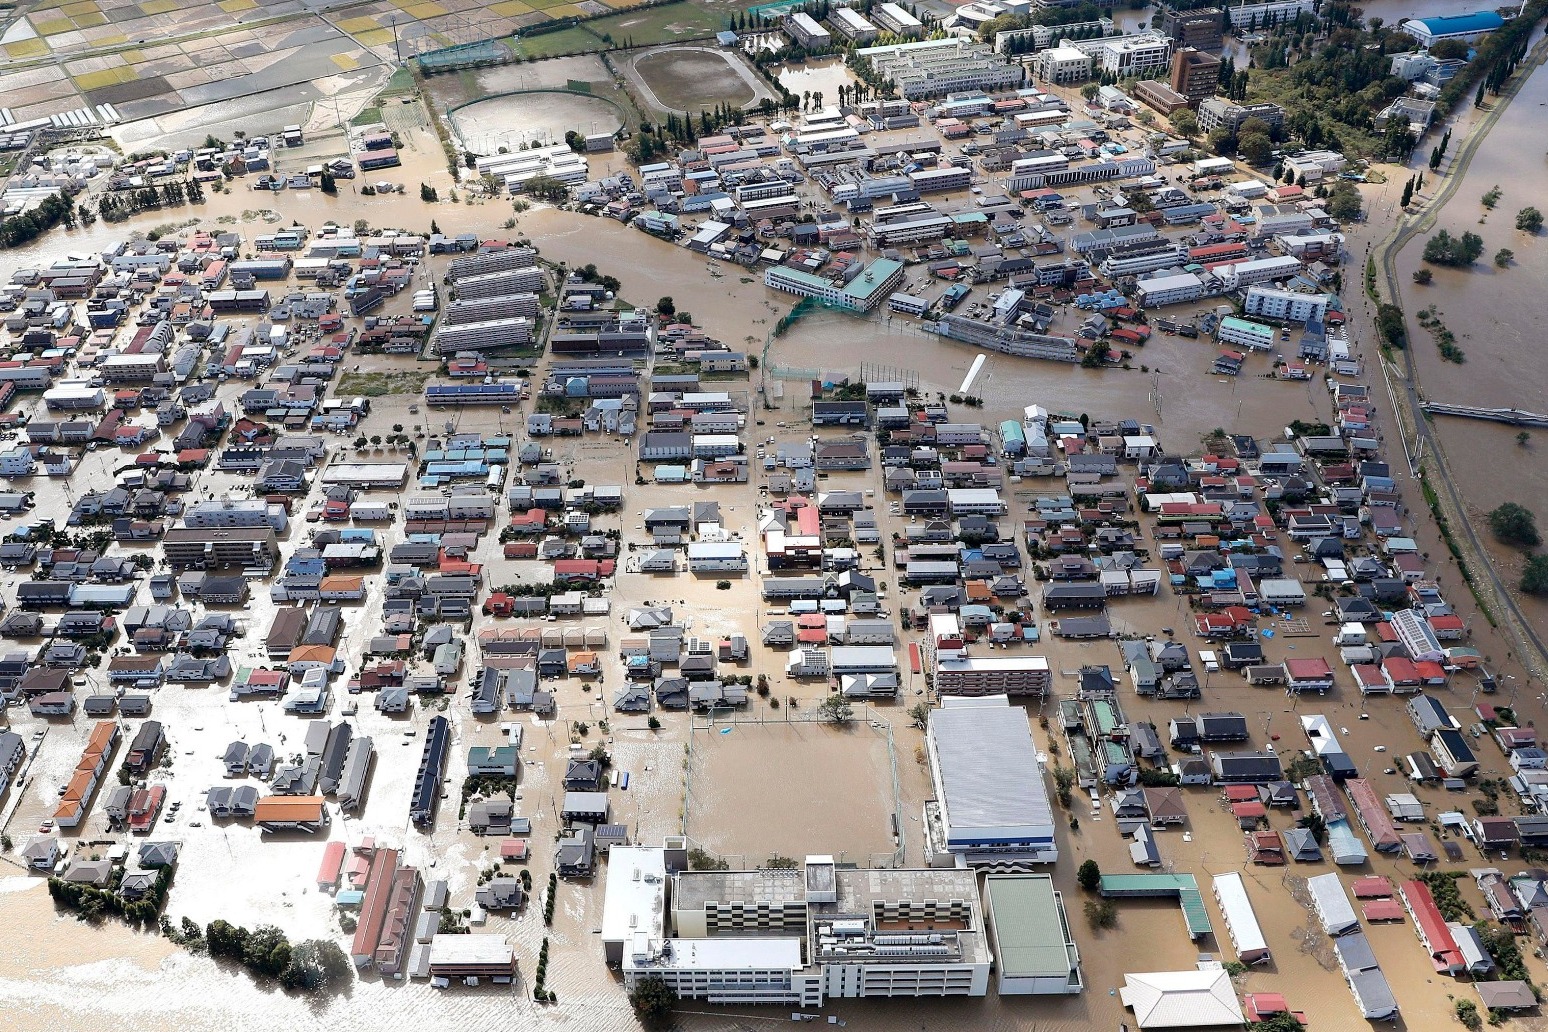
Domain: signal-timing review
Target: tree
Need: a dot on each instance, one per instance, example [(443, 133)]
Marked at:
[(1529, 220), (329, 185), (1445, 249), (266, 951), (1514, 524), (1221, 141), (1254, 148), (919, 713), (1185, 123), (1523, 439), (1503, 257), (652, 1000), (666, 306), (224, 939), (1089, 876), (1408, 193), (427, 193), (837, 709), (1423, 277), (316, 964), (1534, 579)]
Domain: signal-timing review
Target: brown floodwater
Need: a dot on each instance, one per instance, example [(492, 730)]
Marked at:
[(1495, 314), (78, 976)]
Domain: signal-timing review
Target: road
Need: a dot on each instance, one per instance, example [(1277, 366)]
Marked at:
[(1492, 591)]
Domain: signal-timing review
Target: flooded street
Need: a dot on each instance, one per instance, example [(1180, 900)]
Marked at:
[(783, 788)]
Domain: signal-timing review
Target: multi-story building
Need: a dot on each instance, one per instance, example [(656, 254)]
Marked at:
[(1272, 303), (864, 292), (1142, 53), (990, 803), (1216, 113), (803, 28), (1254, 16), (1169, 290), (1062, 65), (852, 25), (795, 936), (1195, 74), (236, 512), (218, 548), (935, 67), (482, 336), (897, 21), (1200, 27), (1245, 333)]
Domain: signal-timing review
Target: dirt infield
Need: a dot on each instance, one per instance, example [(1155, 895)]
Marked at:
[(690, 79)]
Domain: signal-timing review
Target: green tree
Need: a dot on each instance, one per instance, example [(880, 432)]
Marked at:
[(1254, 148), (1514, 524), (666, 306), (837, 709), (1503, 257), (316, 964), (1423, 277), (1089, 876), (1221, 141), (329, 185), (1185, 123), (1529, 220), (1090, 90), (1408, 193), (1445, 249), (427, 193), (266, 951), (1534, 579), (652, 1000)]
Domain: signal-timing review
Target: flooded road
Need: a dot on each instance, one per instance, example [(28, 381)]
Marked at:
[(1495, 314)]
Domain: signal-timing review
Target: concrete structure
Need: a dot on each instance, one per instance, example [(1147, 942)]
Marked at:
[(1218, 113), (1194, 73), (990, 807), (869, 288), (1035, 953), (936, 67)]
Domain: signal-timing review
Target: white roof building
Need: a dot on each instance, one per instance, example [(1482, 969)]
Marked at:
[(991, 805), (1203, 998)]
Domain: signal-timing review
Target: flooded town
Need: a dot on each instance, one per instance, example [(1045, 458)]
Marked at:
[(1010, 515)]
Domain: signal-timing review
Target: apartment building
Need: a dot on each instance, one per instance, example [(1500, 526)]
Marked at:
[(236, 512), (1062, 65), (852, 25), (1200, 27), (221, 548), (483, 336), (1273, 303)]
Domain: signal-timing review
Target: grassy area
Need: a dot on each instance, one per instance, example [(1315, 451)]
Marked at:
[(402, 81), (664, 24), (574, 40), (379, 385), (367, 116)]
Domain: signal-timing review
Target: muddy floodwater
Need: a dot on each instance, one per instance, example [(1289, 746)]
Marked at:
[(521, 119), (1496, 315), (773, 789)]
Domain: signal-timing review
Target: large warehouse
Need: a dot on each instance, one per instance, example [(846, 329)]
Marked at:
[(990, 807)]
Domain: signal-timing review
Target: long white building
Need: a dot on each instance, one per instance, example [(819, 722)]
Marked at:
[(792, 936), (1241, 921), (1289, 305), (990, 807), (935, 67)]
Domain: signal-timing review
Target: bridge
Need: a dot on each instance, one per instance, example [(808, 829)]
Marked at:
[(1513, 416)]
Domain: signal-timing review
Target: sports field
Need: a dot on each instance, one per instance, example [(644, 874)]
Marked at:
[(689, 80)]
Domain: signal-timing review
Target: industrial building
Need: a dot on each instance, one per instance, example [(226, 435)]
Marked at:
[(990, 807), (1035, 953)]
